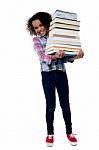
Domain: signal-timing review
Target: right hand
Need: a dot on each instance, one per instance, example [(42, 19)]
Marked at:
[(60, 54)]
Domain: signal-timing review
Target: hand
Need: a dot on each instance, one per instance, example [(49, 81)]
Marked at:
[(60, 54), (79, 55)]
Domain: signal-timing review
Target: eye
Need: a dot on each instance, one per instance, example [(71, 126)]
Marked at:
[(35, 28), (41, 25)]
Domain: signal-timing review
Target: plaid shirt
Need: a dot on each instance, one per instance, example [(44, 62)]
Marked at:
[(47, 64)]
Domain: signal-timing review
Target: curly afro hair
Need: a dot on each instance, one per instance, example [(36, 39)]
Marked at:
[(44, 17)]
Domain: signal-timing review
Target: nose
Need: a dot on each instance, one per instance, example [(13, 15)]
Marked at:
[(39, 29)]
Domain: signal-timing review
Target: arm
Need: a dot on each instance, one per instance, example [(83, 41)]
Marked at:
[(40, 52)]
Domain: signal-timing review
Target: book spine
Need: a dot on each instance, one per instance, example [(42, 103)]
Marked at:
[(63, 46), (60, 28), (63, 32), (57, 50), (66, 15), (64, 26), (65, 36), (64, 42), (65, 39), (66, 21)]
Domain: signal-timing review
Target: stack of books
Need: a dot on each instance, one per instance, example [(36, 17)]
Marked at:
[(64, 34)]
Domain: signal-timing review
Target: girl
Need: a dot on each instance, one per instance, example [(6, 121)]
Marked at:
[(53, 74)]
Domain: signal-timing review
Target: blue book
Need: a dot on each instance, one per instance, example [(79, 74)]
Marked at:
[(65, 15)]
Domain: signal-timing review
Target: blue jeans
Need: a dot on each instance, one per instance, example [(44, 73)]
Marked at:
[(51, 81)]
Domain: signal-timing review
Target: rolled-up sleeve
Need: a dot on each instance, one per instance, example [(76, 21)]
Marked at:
[(40, 51)]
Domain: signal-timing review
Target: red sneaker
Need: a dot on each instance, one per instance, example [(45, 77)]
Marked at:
[(49, 140), (72, 139)]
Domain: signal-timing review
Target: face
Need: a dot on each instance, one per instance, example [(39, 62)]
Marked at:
[(39, 28)]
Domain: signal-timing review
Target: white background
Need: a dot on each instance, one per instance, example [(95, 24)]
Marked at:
[(22, 101)]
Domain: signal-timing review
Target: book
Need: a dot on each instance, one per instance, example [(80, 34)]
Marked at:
[(70, 49), (52, 43), (63, 32), (69, 53), (66, 21), (59, 38), (63, 41), (64, 14), (65, 36), (64, 26)]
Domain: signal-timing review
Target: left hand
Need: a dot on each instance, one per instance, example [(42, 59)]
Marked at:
[(79, 55)]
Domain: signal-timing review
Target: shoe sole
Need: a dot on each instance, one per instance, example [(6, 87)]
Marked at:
[(49, 144), (73, 143)]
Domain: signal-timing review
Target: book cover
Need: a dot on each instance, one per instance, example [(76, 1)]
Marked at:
[(51, 48), (63, 32), (58, 37), (64, 14), (64, 26), (64, 36), (64, 42), (62, 45), (66, 21), (67, 53)]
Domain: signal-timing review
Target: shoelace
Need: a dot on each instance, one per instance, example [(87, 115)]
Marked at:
[(50, 136), (72, 135)]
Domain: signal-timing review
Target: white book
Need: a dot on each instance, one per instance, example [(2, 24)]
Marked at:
[(66, 21), (65, 36), (64, 14), (64, 26), (66, 52), (62, 45), (63, 48), (63, 32), (65, 39), (59, 41)]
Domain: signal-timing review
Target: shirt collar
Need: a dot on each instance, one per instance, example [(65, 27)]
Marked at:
[(42, 36)]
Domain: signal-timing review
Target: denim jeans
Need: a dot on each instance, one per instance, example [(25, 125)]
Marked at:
[(51, 81)]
